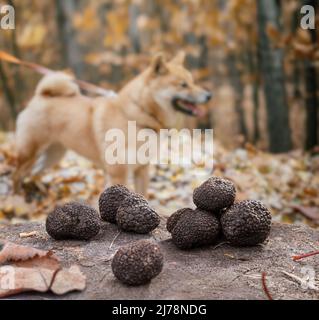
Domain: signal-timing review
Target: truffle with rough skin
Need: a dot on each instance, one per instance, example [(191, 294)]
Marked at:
[(110, 200), (195, 229), (214, 195), (73, 221), (174, 218), (246, 223), (135, 215), (137, 263)]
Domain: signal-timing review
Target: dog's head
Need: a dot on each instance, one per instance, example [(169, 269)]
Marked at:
[(173, 88)]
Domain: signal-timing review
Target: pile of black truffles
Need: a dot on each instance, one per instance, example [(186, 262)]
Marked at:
[(117, 204), (245, 223), (129, 210), (138, 263)]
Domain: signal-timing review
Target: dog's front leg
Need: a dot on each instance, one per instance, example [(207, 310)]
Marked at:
[(117, 174), (141, 180)]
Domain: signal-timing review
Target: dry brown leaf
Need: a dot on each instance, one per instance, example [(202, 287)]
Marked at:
[(16, 280), (68, 280), (35, 270), (12, 252), (309, 212)]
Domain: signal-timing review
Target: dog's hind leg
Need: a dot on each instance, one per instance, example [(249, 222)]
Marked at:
[(31, 163), (24, 167), (50, 157)]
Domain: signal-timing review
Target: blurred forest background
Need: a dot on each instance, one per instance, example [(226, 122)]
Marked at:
[(254, 55), (261, 66)]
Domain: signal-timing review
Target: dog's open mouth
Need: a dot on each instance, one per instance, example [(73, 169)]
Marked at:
[(187, 107)]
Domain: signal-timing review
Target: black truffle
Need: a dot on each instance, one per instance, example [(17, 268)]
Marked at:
[(110, 200), (137, 263), (135, 215), (215, 194), (174, 218), (73, 221), (246, 223), (195, 229)]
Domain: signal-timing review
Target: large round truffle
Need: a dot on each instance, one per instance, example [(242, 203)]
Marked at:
[(137, 263), (174, 218), (215, 194), (73, 221), (246, 223), (110, 200), (135, 215), (195, 229)]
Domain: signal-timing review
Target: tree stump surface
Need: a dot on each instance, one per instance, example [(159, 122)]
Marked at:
[(220, 272)]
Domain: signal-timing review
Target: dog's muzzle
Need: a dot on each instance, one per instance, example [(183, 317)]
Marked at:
[(190, 107)]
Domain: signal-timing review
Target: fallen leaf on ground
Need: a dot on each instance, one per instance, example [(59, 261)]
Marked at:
[(16, 280), (68, 279), (309, 212), (28, 269), (12, 252)]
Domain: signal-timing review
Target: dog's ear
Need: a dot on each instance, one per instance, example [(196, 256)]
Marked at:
[(158, 64), (179, 58)]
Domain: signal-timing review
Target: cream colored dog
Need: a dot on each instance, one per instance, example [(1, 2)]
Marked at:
[(59, 117)]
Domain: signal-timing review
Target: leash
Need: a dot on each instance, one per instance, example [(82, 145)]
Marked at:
[(89, 87)]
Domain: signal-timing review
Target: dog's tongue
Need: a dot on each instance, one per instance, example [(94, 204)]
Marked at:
[(197, 111), (200, 112)]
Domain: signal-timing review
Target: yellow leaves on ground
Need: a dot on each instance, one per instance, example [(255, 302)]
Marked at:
[(288, 184), (86, 20), (32, 35), (117, 25)]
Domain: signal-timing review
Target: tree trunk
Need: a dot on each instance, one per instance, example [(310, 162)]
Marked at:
[(274, 80), (297, 64), (237, 84), (18, 80), (311, 93), (8, 93), (134, 12), (69, 47), (253, 69)]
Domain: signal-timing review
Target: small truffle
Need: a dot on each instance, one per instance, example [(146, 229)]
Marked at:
[(135, 215), (174, 218), (214, 195), (110, 200), (246, 223), (73, 221), (137, 263), (195, 229)]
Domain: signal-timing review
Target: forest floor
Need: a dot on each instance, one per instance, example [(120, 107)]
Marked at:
[(288, 183), (216, 272)]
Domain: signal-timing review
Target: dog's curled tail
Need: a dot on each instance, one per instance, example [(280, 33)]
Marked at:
[(57, 84)]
